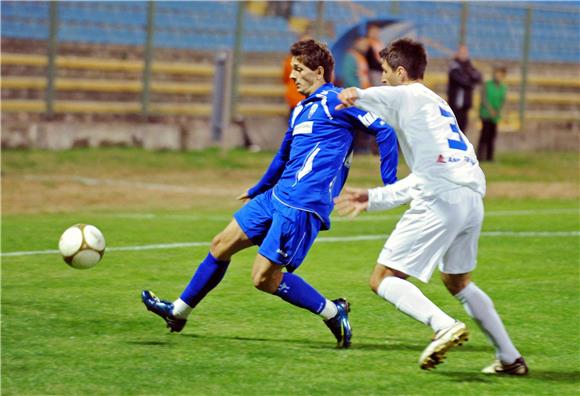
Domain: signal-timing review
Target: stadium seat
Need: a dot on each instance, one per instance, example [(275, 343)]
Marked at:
[(555, 34)]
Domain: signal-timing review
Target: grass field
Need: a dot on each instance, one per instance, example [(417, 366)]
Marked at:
[(71, 332)]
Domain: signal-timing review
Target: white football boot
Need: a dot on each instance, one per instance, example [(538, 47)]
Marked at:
[(519, 367), (443, 341)]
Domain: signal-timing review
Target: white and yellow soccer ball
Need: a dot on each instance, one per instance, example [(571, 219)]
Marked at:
[(82, 246)]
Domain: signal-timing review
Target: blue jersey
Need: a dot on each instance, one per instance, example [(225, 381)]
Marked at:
[(312, 164)]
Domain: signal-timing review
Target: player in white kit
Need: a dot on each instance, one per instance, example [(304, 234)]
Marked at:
[(442, 227)]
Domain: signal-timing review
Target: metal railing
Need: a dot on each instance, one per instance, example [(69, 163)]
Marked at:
[(520, 25)]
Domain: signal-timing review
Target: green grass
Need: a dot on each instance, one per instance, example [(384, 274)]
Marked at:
[(25, 161), (536, 167), (72, 332)]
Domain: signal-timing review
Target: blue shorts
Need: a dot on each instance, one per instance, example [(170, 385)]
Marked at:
[(284, 234)]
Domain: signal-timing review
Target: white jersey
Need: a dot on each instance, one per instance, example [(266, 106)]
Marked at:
[(438, 153)]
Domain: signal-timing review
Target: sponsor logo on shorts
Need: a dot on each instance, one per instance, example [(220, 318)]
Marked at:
[(282, 253)]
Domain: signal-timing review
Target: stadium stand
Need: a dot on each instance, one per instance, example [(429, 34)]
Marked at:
[(494, 32), (100, 54)]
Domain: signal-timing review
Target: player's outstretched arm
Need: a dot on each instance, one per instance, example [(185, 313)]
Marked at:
[(351, 202), (391, 196), (347, 97), (385, 101)]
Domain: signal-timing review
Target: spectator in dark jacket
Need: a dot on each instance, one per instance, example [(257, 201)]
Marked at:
[(372, 55), (463, 77)]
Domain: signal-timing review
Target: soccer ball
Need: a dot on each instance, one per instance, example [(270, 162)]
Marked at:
[(82, 246)]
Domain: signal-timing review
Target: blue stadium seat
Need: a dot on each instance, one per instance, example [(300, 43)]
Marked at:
[(34, 31), (25, 9), (492, 32)]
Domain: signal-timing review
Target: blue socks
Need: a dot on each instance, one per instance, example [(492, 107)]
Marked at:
[(208, 275), (211, 271), (296, 291)]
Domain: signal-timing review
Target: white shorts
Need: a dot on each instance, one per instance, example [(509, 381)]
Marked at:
[(437, 231)]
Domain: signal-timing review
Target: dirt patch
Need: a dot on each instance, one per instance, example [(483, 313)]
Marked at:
[(202, 190), (58, 193), (551, 190)]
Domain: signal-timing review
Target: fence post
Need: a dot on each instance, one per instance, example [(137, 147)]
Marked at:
[(319, 19), (147, 59), (52, 50), (463, 28), (237, 57), (395, 7), (221, 99), (524, 68)]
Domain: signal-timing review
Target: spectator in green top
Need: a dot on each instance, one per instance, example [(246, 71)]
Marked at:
[(493, 96)]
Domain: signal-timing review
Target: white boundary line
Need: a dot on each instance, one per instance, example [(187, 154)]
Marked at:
[(369, 218), (354, 238)]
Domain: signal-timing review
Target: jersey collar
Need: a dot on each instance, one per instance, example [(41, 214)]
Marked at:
[(324, 87)]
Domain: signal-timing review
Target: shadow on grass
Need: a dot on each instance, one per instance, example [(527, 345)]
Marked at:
[(307, 343), (312, 344), (557, 376), (571, 377), (148, 343)]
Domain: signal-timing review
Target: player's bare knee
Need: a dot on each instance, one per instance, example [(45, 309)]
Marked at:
[(375, 282), (258, 280), (380, 273), (455, 282), (217, 247), (264, 282), (261, 284)]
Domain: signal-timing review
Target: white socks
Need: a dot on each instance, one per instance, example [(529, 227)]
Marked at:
[(329, 311), (408, 299), (479, 306), (180, 309)]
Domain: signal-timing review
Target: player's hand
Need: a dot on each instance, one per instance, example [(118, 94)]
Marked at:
[(347, 98), (351, 202), (244, 197)]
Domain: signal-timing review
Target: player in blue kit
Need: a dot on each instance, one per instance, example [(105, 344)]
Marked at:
[(292, 202)]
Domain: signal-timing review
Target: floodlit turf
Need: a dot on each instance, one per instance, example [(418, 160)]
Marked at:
[(66, 331)]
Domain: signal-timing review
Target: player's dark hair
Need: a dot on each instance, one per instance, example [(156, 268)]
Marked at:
[(313, 54), (409, 54)]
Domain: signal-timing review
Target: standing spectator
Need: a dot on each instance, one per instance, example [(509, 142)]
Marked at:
[(463, 77), (355, 73), (355, 68), (493, 95), (372, 56)]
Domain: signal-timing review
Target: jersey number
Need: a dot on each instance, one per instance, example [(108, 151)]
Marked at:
[(457, 144)]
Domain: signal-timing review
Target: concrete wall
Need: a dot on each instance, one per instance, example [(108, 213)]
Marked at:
[(538, 140), (266, 133), (188, 136)]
